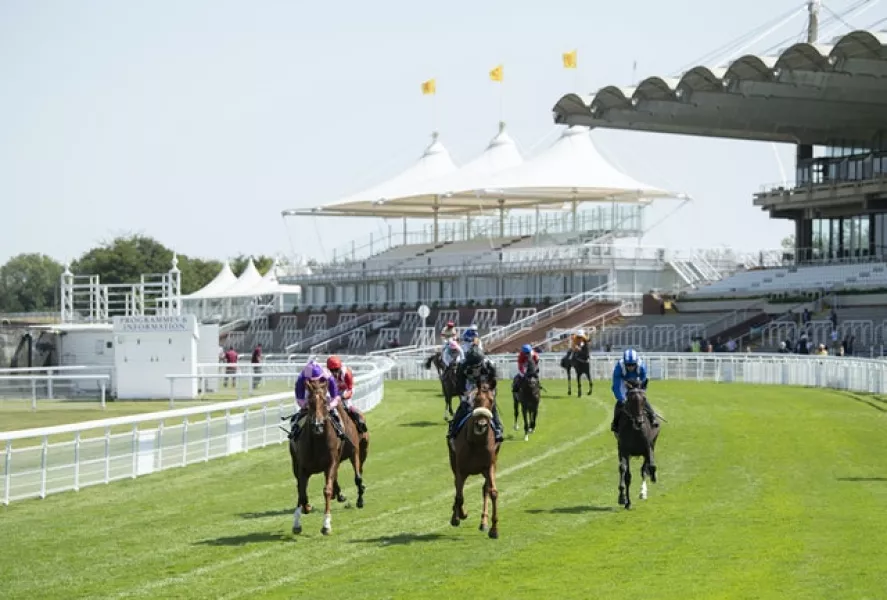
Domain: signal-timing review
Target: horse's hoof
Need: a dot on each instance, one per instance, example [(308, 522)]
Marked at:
[(341, 498), (454, 522), (297, 530), (526, 437), (515, 426), (482, 527), (494, 534), (627, 505), (325, 531), (622, 500), (307, 509), (360, 502)]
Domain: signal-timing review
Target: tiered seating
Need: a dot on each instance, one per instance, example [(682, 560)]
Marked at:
[(653, 332), (287, 332), (485, 319), (767, 281)]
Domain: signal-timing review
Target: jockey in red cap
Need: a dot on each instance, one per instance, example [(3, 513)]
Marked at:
[(345, 383)]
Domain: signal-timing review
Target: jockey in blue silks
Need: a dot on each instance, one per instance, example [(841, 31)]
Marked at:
[(470, 338), (629, 368)]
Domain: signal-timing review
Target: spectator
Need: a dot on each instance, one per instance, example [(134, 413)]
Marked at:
[(256, 361), (231, 369)]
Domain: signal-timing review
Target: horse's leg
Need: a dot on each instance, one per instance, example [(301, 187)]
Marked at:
[(494, 497), (337, 492), (524, 411), (569, 383), (623, 470), (357, 463), (578, 381), (486, 502), (651, 460), (329, 475), (302, 504), (459, 513), (627, 482), (516, 407), (533, 415)]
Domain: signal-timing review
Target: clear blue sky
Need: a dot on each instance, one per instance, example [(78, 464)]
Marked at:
[(198, 121)]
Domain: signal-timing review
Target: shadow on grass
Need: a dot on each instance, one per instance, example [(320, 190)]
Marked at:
[(571, 510), (268, 513), (420, 424), (862, 479), (403, 539), (876, 402), (248, 538)]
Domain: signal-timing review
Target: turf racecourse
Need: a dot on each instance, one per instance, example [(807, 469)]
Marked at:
[(765, 492)]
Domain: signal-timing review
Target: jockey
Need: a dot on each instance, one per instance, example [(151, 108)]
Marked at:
[(453, 353), (629, 368), (344, 379), (527, 353), (471, 370), (448, 333), (579, 338), (314, 372), (470, 338)]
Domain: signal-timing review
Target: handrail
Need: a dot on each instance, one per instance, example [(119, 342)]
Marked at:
[(594, 295), (603, 317)]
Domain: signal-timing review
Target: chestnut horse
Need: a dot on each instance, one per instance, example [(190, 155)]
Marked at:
[(319, 450), (475, 453), (636, 436)]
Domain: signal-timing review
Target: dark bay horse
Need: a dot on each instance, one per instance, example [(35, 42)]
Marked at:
[(579, 363), (475, 453), (449, 380), (527, 398), (636, 436), (435, 359), (319, 450)]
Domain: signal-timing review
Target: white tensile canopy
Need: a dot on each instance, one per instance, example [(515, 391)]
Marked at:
[(570, 170), (269, 284), (224, 280)]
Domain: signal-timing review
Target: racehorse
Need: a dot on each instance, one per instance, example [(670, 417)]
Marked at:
[(636, 436), (450, 382), (436, 359), (319, 450), (527, 397), (475, 453), (579, 362)]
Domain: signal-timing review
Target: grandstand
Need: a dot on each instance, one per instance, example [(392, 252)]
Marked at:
[(829, 100)]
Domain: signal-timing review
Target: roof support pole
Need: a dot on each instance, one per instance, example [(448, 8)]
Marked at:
[(404, 241), (573, 211), (813, 21), (501, 217), (436, 208)]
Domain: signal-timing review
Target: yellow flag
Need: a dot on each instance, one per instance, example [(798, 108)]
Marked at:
[(570, 59), (429, 87), (496, 74)]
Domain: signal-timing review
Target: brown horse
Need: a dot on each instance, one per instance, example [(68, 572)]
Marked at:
[(579, 363), (475, 453), (319, 450), (450, 382), (636, 436)]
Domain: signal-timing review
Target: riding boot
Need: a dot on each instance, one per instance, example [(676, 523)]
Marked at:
[(497, 424), (359, 420), (617, 410), (295, 429), (337, 424), (651, 414)]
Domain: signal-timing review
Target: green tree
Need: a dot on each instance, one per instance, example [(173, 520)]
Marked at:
[(197, 272), (124, 259), (30, 282)]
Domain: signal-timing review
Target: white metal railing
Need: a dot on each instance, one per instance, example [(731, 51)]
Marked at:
[(38, 462), (601, 293), (36, 391), (842, 373)]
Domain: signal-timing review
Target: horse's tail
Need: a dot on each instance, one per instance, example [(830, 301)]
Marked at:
[(428, 362)]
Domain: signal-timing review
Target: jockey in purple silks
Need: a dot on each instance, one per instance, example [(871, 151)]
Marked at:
[(314, 371)]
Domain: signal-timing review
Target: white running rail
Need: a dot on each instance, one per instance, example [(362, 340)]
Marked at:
[(38, 462)]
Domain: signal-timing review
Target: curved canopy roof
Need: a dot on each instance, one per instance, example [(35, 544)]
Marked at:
[(808, 94), (570, 169)]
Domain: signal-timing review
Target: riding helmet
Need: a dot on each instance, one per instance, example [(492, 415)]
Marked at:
[(334, 363), (526, 349), (630, 356)]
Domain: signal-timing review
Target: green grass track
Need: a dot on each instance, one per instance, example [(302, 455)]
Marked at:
[(764, 492)]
